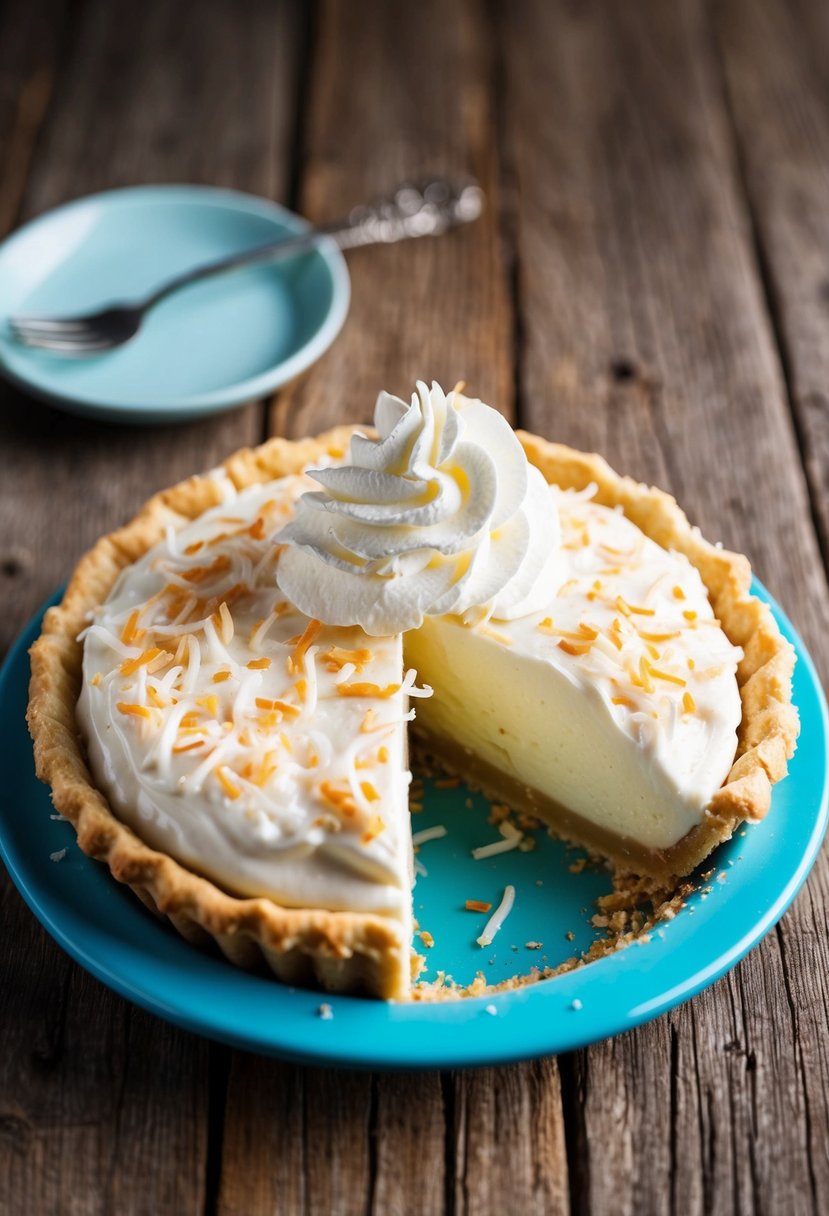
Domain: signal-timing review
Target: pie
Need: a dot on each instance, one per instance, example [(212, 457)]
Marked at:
[(221, 702)]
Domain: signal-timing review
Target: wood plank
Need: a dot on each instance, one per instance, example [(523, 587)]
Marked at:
[(238, 77), (775, 59), (693, 1101), (776, 64), (646, 335), (29, 38), (409, 1135), (330, 1141), (29, 42), (102, 1108), (412, 98), (295, 1140), (601, 1089), (511, 1153)]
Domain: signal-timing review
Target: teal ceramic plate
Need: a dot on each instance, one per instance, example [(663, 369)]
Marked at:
[(208, 347), (106, 929)]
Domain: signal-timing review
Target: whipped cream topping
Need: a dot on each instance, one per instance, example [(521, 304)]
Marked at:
[(442, 514), (243, 738)]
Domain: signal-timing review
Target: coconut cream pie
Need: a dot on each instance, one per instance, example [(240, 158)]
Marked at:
[(221, 702)]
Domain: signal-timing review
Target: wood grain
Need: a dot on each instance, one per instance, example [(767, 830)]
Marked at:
[(170, 66), (782, 134), (776, 64), (411, 98), (328, 1141), (410, 1130), (510, 1153), (102, 1108), (646, 334), (29, 41), (295, 1140)]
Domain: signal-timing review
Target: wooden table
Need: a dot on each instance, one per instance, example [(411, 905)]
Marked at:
[(651, 280)]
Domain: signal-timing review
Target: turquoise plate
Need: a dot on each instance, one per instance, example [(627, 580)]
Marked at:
[(208, 347), (106, 929)]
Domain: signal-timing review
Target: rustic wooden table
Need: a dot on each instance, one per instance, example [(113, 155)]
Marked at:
[(651, 280)]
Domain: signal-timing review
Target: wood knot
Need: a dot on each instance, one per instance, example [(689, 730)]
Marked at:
[(15, 562), (623, 370), (15, 1131)]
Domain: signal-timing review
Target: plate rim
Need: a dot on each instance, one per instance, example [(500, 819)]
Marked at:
[(195, 404), (305, 1040)]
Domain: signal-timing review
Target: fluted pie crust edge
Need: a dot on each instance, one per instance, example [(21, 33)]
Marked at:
[(342, 951)]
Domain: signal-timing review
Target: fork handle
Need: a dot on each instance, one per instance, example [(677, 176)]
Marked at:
[(412, 211)]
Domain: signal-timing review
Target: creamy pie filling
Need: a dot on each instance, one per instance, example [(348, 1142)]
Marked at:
[(255, 745)]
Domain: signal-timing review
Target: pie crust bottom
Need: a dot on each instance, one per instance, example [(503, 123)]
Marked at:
[(663, 865)]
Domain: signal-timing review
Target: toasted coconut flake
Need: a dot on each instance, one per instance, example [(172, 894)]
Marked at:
[(375, 827), (658, 674), (340, 799), (131, 633), (137, 711), (477, 905), (633, 609), (337, 657), (129, 666), (574, 648), (292, 711), (367, 690), (305, 639), (230, 789)]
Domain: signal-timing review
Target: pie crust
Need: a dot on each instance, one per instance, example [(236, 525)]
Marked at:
[(352, 952)]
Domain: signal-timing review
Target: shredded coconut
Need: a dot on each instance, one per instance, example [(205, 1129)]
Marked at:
[(498, 916), (435, 833)]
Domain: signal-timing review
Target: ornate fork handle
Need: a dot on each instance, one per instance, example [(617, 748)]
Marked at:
[(427, 209)]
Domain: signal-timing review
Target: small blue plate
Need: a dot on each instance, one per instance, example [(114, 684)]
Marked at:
[(103, 926), (208, 347)]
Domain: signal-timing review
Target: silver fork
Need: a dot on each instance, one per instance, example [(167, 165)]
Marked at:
[(427, 209)]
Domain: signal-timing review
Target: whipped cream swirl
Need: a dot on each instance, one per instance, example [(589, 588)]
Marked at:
[(441, 514)]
